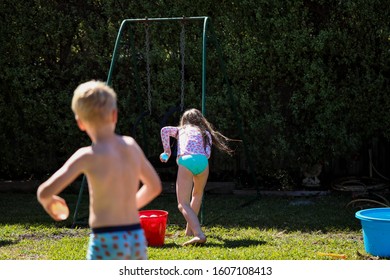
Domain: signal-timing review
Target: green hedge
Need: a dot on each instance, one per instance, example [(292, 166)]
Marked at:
[(311, 78)]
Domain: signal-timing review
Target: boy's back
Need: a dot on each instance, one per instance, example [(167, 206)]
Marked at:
[(113, 178)]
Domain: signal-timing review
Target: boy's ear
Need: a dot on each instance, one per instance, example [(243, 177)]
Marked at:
[(80, 123), (114, 115)]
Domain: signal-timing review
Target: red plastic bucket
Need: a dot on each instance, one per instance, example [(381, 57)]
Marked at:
[(154, 223)]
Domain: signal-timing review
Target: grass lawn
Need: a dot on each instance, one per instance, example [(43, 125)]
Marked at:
[(237, 227)]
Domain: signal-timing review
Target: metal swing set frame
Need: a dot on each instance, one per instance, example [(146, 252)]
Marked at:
[(206, 27)]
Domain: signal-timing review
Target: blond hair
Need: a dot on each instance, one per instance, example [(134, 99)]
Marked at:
[(93, 101), (196, 118)]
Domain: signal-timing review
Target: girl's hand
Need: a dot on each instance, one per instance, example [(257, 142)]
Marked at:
[(164, 157)]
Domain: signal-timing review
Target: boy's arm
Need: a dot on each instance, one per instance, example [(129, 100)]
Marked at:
[(48, 190), (151, 187)]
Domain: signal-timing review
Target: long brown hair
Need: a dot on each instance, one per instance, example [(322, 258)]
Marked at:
[(196, 118)]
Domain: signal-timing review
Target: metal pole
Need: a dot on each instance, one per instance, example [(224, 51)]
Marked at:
[(115, 53), (163, 19), (204, 59)]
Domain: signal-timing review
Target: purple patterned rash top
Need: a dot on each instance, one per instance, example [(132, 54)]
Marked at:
[(189, 138)]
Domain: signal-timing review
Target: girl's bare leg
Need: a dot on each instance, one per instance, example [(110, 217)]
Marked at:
[(197, 195), (183, 191)]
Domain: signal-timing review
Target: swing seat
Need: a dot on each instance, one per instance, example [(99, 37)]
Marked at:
[(155, 159), (172, 110), (139, 120)]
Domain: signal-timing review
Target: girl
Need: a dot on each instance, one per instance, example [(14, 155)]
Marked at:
[(195, 137)]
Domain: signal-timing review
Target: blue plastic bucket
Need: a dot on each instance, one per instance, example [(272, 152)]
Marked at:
[(376, 230)]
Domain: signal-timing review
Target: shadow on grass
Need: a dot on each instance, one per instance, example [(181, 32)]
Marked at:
[(7, 242), (326, 213), (223, 244), (307, 214), (240, 243), (214, 240)]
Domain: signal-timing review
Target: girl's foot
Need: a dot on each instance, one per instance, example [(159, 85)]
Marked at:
[(196, 240), (189, 232)]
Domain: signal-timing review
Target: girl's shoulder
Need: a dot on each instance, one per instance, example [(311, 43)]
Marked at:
[(193, 129), (189, 126), (165, 128)]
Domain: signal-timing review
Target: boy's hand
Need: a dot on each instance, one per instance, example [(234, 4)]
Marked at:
[(56, 207)]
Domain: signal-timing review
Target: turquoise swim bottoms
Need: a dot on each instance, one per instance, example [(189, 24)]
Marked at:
[(195, 163), (117, 243)]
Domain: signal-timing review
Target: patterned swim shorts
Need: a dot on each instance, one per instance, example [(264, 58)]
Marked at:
[(117, 243)]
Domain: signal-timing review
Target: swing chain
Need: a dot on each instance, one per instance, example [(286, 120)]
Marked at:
[(147, 48), (182, 54)]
